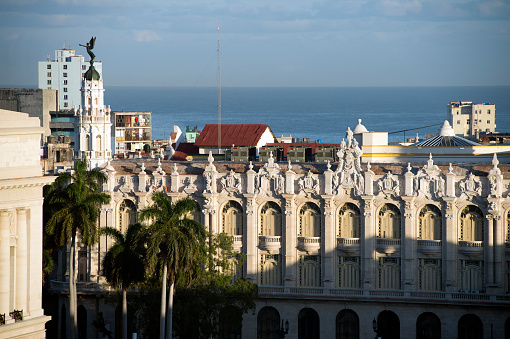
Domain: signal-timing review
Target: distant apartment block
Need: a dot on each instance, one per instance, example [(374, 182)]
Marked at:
[(470, 120), (65, 74), (132, 132)]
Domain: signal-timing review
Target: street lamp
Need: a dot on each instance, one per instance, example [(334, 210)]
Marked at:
[(283, 330), (374, 326)]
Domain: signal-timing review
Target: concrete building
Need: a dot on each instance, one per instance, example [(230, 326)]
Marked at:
[(21, 200), (471, 120), (132, 132), (65, 74), (411, 250), (38, 103)]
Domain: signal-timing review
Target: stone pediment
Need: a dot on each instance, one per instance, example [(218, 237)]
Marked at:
[(270, 180)]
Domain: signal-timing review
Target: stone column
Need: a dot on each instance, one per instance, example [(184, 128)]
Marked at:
[(449, 242), (289, 242), (499, 248), (5, 262), (21, 261), (328, 243), (252, 238), (368, 240), (408, 247), (489, 249)]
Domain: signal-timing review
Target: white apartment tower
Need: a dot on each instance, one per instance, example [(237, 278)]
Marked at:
[(469, 120), (65, 74), (92, 122)]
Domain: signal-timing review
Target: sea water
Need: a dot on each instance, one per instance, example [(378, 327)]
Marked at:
[(317, 113)]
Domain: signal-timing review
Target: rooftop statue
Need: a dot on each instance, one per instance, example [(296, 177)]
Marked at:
[(90, 47)]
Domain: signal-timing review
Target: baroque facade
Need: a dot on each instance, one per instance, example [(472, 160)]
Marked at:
[(414, 251)]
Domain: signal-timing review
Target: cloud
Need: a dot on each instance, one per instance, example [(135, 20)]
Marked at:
[(12, 36), (400, 8), (491, 8), (145, 36)]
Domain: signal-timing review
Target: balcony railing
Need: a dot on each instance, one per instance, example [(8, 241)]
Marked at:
[(83, 287), (388, 246), (429, 247), (348, 245), (309, 244), (268, 242), (472, 249)]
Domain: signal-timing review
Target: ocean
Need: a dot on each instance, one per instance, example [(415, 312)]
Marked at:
[(317, 113)]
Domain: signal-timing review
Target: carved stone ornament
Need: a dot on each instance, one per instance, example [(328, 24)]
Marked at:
[(349, 173), (270, 180), (367, 214), (189, 186), (309, 183), (231, 182), (470, 185), (389, 185), (449, 216), (209, 178), (429, 181)]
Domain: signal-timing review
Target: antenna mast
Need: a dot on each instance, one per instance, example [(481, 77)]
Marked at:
[(219, 93)]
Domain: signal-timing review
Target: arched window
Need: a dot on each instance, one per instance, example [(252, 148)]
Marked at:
[(428, 326), (82, 322), (471, 224), (127, 215), (268, 323), (349, 221), (232, 218), (430, 221), (82, 266), (388, 325), (86, 147), (308, 324), (99, 145), (388, 273), (347, 325), (309, 270), (230, 322), (470, 327), (270, 270), (310, 220), (389, 222), (271, 219)]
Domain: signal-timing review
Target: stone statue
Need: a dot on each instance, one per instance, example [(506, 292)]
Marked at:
[(90, 47)]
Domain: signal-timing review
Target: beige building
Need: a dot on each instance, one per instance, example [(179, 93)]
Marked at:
[(21, 200), (470, 120), (421, 249)]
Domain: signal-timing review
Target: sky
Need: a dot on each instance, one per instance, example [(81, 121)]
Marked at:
[(268, 43)]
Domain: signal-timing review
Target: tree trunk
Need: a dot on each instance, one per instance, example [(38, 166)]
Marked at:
[(124, 313), (73, 321), (163, 302), (169, 312)]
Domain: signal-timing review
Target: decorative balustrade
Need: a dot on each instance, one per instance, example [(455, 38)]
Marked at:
[(268, 242), (429, 247), (237, 242), (309, 244), (388, 246), (87, 286), (397, 296), (348, 245), (471, 249)]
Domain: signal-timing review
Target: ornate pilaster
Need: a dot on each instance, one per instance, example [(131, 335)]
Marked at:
[(449, 242), (174, 183), (489, 249), (329, 236), (408, 179), (289, 245), (5, 264), (252, 238), (369, 233), (409, 244), (21, 261), (289, 180), (450, 182)]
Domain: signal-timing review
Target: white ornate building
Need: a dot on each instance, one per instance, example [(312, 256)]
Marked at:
[(21, 200), (422, 249)]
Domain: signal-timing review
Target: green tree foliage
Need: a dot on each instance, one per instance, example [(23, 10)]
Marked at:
[(73, 203), (123, 264)]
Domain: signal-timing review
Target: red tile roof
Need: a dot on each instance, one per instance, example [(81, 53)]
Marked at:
[(232, 134)]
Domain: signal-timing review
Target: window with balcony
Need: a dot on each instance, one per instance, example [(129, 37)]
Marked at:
[(271, 220), (429, 223), (309, 270), (270, 270), (127, 215), (349, 221), (388, 276), (349, 272), (232, 218), (429, 275), (471, 275), (309, 220), (471, 224), (389, 222)]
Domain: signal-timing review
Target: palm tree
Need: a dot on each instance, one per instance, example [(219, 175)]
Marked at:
[(175, 240), (123, 264), (74, 200)]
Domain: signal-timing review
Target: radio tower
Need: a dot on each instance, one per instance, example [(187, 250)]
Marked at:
[(219, 94)]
